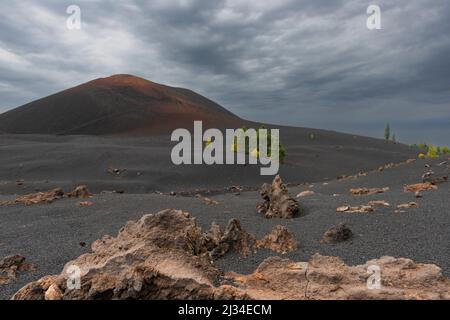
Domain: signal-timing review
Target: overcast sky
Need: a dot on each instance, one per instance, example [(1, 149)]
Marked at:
[(297, 62)]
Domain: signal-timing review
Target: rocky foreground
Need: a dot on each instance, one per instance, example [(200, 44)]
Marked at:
[(398, 210), (167, 256)]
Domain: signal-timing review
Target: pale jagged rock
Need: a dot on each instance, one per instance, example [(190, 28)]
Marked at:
[(375, 203), (160, 256), (11, 265), (208, 201), (277, 201), (330, 278), (305, 194), (336, 234), (280, 240), (167, 256), (80, 192)]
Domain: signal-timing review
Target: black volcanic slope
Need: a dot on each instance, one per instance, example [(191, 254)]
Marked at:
[(116, 105)]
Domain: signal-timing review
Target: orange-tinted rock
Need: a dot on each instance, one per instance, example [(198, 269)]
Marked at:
[(368, 191), (330, 278), (280, 240), (80, 192), (166, 256), (10, 266), (38, 198)]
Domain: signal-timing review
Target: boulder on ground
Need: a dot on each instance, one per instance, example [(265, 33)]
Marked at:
[(40, 197), (160, 256), (233, 238), (80, 192), (10, 266), (167, 256), (325, 278), (280, 240), (336, 234), (277, 201)]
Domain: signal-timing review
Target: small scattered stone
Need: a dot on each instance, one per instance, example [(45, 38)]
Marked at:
[(418, 187), (379, 203), (305, 194), (356, 209), (408, 205), (85, 204), (368, 191)]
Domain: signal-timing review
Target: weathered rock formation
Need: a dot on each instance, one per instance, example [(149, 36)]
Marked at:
[(233, 238), (48, 196), (277, 201), (10, 266), (38, 197), (166, 256), (330, 278), (280, 240), (160, 256), (80, 192), (336, 234)]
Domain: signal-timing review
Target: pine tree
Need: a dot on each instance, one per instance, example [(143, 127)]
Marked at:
[(387, 132)]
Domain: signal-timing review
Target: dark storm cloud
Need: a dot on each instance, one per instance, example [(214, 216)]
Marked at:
[(309, 63)]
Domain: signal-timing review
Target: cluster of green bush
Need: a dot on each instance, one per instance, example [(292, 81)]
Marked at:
[(431, 151), (261, 133)]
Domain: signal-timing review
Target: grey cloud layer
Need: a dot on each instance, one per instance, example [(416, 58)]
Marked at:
[(308, 63)]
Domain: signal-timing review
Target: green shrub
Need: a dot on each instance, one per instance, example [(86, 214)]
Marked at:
[(387, 132), (260, 134), (431, 151)]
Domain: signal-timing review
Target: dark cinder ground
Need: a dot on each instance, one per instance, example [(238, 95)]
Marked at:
[(49, 235)]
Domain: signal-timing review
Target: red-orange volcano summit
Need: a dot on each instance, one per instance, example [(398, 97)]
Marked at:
[(120, 104)]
